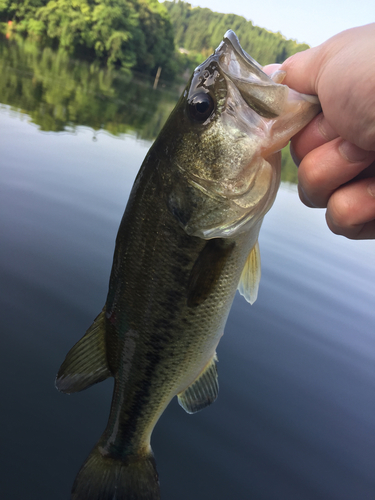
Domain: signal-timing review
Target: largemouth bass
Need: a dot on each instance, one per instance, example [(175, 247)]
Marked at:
[(188, 239)]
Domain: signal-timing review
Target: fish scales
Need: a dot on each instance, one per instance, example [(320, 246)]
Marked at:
[(188, 239), (175, 341)]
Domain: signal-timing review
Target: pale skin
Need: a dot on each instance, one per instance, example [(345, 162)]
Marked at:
[(335, 152)]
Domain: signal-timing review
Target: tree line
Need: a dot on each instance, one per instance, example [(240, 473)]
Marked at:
[(200, 30), (140, 35)]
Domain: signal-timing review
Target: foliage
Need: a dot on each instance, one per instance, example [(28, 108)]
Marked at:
[(131, 34), (289, 172), (158, 34), (201, 30), (138, 34)]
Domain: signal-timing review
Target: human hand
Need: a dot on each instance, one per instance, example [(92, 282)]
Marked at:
[(336, 150)]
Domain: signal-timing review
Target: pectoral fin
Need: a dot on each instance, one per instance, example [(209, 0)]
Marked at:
[(86, 362), (203, 391), (250, 277), (207, 270)]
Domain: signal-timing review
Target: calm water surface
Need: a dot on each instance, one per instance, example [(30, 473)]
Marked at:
[(295, 418)]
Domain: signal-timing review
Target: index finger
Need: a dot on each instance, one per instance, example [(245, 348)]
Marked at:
[(315, 134), (328, 167)]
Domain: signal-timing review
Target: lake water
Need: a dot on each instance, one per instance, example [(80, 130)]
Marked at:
[(295, 417)]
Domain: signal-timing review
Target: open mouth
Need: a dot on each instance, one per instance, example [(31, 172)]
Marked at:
[(257, 89)]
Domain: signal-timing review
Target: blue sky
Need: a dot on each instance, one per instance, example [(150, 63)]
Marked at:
[(309, 22)]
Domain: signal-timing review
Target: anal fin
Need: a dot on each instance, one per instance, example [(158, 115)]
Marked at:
[(86, 362), (203, 391)]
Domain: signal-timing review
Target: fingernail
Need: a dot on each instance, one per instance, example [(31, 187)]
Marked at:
[(351, 152), (304, 198), (371, 188), (296, 160)]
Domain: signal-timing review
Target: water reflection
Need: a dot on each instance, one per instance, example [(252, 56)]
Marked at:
[(59, 93)]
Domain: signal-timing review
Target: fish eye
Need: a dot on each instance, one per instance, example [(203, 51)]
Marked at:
[(200, 107)]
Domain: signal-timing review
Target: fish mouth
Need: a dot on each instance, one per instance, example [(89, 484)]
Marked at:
[(257, 89), (282, 111), (231, 38)]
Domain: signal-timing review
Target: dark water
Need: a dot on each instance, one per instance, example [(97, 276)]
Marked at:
[(295, 418)]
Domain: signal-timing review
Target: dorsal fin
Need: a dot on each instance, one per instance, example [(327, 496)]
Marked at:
[(250, 277), (86, 362), (203, 391)]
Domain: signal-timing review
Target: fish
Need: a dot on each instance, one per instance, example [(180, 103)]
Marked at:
[(187, 241)]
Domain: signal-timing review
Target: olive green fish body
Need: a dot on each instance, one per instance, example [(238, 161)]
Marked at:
[(188, 239), (165, 311)]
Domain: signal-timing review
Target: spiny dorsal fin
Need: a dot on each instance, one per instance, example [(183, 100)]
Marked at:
[(86, 362), (203, 391), (250, 277)]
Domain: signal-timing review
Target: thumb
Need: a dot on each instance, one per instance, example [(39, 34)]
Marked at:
[(302, 70), (341, 73)]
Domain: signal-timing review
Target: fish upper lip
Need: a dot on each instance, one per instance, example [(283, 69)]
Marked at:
[(258, 90), (231, 37)]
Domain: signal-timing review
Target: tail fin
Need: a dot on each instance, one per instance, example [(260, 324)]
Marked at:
[(105, 478)]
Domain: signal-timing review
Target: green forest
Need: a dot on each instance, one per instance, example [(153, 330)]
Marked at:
[(130, 34), (200, 31), (140, 35)]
